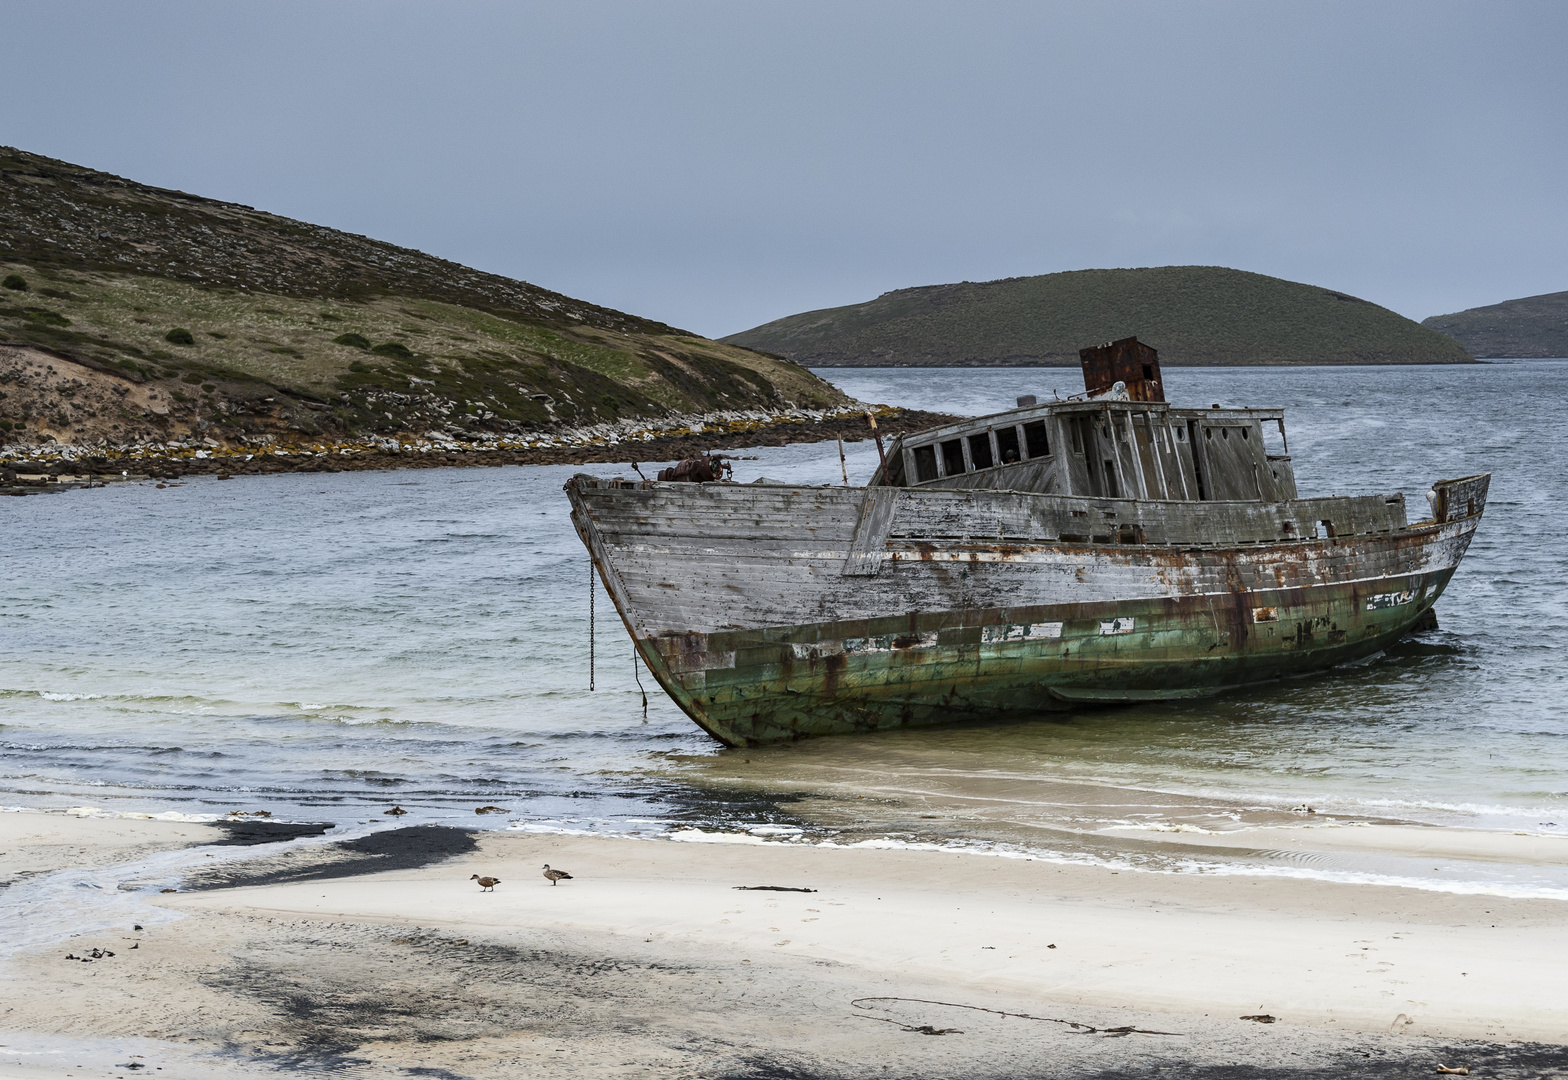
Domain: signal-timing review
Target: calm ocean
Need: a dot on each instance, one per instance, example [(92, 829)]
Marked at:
[(326, 646)]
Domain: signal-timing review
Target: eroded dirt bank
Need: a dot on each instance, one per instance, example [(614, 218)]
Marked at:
[(99, 402)]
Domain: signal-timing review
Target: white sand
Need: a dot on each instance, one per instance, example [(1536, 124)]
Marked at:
[(650, 962), (36, 843), (1357, 956)]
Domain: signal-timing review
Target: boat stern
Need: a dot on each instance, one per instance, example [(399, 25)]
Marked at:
[(1456, 500)]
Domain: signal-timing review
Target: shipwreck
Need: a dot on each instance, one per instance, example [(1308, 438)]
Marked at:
[(1107, 548)]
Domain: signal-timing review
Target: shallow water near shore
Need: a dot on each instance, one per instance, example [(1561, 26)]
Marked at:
[(326, 646)]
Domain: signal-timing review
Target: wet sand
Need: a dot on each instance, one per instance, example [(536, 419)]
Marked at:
[(379, 956)]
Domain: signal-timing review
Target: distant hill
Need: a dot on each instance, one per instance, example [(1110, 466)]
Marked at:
[(1536, 326), (1191, 314), (131, 313)]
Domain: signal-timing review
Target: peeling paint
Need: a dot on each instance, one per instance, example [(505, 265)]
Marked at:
[(1021, 632), (1389, 600)]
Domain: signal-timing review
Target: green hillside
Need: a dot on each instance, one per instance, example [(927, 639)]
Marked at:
[(131, 313), (1191, 314), (1535, 326)]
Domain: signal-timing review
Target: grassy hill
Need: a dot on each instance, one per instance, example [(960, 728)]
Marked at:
[(1535, 326), (1191, 314), (131, 313)]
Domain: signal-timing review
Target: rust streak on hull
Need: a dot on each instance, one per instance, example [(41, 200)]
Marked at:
[(775, 612)]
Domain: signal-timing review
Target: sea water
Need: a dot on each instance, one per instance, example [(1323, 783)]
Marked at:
[(328, 646)]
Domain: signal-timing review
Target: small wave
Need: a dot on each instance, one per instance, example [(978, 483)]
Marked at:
[(93, 748), (694, 835), (56, 695), (1513, 891), (888, 843), (317, 714), (1478, 809), (549, 828), (606, 829), (167, 815)]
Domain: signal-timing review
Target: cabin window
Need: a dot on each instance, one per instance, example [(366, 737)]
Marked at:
[(1148, 372), (1181, 435), (925, 463), (980, 451), (1224, 433), (1076, 427), (953, 456), (1324, 530), (1007, 444), (1245, 434), (1111, 489), (1208, 433), (1273, 437), (1034, 439)]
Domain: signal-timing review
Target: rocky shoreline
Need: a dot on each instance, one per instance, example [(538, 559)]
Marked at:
[(28, 470)]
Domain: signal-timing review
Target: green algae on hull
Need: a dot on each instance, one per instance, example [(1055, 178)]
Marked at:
[(748, 605)]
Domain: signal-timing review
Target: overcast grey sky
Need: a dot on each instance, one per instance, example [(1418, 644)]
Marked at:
[(720, 164)]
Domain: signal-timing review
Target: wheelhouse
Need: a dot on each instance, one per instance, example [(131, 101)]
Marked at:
[(1119, 441)]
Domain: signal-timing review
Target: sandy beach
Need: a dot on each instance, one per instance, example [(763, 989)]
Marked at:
[(380, 957)]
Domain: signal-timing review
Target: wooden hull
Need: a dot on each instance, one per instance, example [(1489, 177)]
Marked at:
[(772, 612)]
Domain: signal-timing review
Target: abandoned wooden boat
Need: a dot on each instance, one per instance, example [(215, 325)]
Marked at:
[(1103, 549)]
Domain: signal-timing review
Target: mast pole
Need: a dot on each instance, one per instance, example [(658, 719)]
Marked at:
[(881, 453)]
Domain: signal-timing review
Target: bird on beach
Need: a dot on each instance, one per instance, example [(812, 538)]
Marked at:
[(488, 884), (556, 876)]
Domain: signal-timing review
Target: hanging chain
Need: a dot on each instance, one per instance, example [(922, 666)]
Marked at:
[(590, 621)]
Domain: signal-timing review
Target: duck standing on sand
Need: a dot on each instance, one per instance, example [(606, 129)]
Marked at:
[(487, 884), (556, 876)]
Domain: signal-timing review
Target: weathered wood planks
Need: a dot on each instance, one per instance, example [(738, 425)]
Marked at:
[(915, 604)]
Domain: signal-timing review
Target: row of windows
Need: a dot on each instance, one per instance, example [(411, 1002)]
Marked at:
[(1017, 442), (1003, 445)]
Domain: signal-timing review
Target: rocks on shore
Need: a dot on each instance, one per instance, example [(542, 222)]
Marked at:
[(30, 477)]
